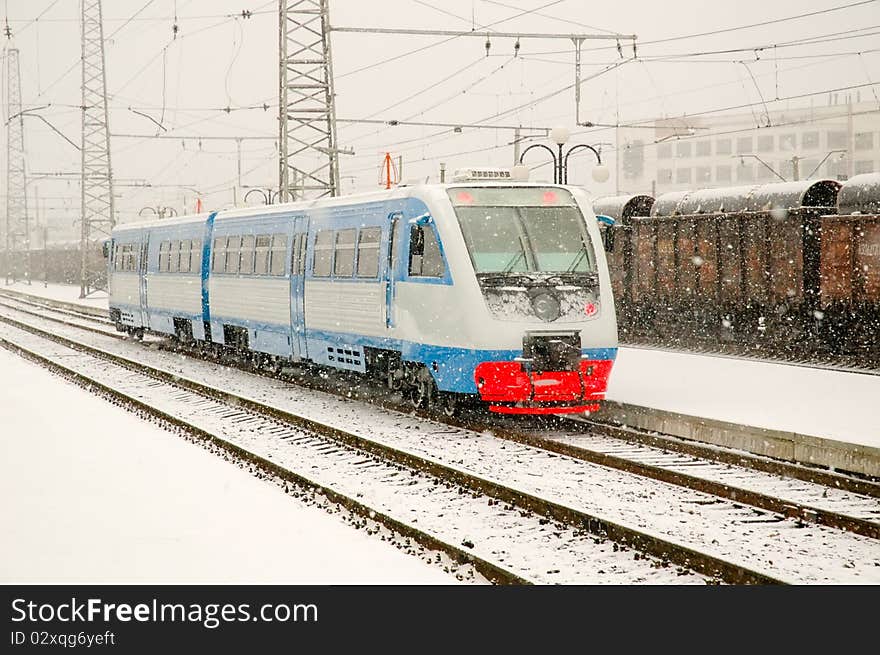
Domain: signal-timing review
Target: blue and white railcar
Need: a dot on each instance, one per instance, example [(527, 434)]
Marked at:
[(496, 290)]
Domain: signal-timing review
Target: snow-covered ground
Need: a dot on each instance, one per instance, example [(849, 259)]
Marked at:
[(94, 494), (64, 292), (840, 406), (832, 405)]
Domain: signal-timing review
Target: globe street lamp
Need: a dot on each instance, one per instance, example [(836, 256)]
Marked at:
[(559, 135)]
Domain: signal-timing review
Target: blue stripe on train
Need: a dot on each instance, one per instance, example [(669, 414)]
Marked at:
[(206, 267)]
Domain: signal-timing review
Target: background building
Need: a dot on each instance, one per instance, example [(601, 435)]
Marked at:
[(836, 140)]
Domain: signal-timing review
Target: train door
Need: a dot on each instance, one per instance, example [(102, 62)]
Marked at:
[(390, 266), (142, 279), (298, 286)]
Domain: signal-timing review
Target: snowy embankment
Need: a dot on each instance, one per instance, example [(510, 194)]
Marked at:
[(94, 494)]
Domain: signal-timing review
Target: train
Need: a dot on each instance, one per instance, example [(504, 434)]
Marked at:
[(790, 269), (482, 290)]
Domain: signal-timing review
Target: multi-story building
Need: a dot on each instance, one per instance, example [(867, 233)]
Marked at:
[(837, 141)]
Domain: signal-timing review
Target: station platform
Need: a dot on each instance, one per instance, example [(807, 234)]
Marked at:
[(809, 415)]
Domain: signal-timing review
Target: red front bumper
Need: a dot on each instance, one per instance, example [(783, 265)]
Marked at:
[(510, 389)]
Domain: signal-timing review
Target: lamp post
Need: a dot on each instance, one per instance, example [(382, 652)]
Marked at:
[(160, 212), (559, 135), (270, 197)]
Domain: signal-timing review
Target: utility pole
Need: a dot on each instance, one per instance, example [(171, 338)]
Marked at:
[(516, 138), (98, 216), (308, 157), (16, 180)]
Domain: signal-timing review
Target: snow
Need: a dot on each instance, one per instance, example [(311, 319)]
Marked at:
[(128, 502), (828, 404), (62, 292)]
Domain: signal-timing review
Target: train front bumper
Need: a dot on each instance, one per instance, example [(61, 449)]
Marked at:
[(517, 388)]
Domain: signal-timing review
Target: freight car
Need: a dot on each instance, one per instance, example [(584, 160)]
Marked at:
[(789, 268)]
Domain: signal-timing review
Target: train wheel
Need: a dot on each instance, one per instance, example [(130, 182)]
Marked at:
[(422, 389), (448, 404)]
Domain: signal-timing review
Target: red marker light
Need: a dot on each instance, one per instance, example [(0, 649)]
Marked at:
[(464, 198), (550, 198), (591, 308)]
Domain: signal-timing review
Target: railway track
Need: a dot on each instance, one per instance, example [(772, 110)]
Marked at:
[(478, 461), (723, 472), (502, 541)]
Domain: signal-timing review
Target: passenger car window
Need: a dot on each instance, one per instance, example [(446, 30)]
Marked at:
[(279, 250), (368, 252), (261, 254), (185, 256), (163, 256), (233, 254), (195, 257), (219, 264), (175, 257), (323, 253), (425, 259), (247, 254), (344, 262)]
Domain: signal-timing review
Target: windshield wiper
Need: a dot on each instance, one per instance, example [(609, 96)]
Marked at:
[(581, 254), (513, 262)]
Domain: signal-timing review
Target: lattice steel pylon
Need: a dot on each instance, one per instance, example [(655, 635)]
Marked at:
[(97, 178), (17, 243), (307, 148)]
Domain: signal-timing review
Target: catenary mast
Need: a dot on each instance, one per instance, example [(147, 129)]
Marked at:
[(97, 178)]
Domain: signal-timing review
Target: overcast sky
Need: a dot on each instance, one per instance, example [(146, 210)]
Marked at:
[(218, 61)]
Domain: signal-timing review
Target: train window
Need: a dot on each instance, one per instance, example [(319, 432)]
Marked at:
[(127, 257), (219, 262), (174, 266), (163, 256), (344, 262), (233, 254), (368, 252), (279, 254), (247, 254), (323, 253), (185, 256), (425, 259), (261, 254), (195, 257)]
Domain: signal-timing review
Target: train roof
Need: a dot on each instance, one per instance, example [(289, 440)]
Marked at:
[(400, 192), (860, 195), (622, 208), (759, 197)]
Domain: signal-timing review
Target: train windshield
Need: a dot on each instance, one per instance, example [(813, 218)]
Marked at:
[(522, 230)]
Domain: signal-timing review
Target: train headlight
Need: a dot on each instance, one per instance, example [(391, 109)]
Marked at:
[(546, 306)]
